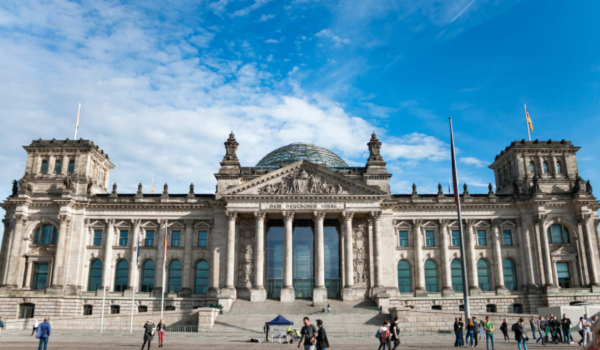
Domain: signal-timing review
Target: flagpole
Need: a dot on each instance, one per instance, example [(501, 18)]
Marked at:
[(527, 122), (77, 125), (162, 294), (134, 285), (460, 227), (103, 300)]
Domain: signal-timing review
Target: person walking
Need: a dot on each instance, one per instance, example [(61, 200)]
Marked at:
[(1, 326), (383, 333), (489, 328), (587, 329), (476, 330), (565, 323), (328, 309), (521, 334), (543, 325), (308, 334), (481, 331), (595, 343), (322, 341), (580, 330), (395, 330), (43, 333), (149, 329), (35, 326), (504, 329), (161, 329), (533, 325), (470, 332), (456, 333)]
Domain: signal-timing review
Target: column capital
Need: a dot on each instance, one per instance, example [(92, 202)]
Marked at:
[(288, 215), (348, 215), (417, 223), (584, 219), (231, 215), (596, 223), (110, 223), (469, 222), (444, 223), (260, 214), (189, 223), (541, 218), (162, 223), (496, 223), (136, 222), (6, 222), (375, 215), (64, 219), (21, 219), (319, 215)]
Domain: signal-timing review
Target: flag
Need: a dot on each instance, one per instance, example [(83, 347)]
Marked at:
[(454, 174), (152, 185), (77, 125), (528, 119)]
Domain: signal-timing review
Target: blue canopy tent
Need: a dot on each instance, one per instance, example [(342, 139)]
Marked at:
[(279, 321)]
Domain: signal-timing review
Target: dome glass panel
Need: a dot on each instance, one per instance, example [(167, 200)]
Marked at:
[(298, 151)]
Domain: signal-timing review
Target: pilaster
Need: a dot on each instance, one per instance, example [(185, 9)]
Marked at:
[(259, 293), (287, 292)]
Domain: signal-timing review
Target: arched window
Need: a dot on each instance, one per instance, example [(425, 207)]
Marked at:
[(44, 167), (121, 275), (71, 168), (532, 167), (148, 270), (558, 234), (58, 166), (95, 279), (484, 275), (456, 273), (404, 280), (510, 274), (546, 171), (201, 280), (431, 276), (45, 234), (174, 276), (558, 168)]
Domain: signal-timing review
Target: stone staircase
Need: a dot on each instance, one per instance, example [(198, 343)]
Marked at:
[(346, 319)]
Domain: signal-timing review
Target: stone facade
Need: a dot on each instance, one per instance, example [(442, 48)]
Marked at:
[(70, 237)]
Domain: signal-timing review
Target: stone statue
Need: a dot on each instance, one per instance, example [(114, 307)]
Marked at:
[(374, 149), (588, 187), (15, 188), (231, 146), (414, 189), (440, 190), (465, 189), (166, 189), (191, 188), (114, 191), (301, 182), (139, 191), (536, 184), (68, 183), (491, 188), (88, 191)]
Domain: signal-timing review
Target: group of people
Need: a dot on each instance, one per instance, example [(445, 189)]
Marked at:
[(150, 330), (388, 334), (41, 331), (315, 312), (552, 330), (314, 338), (475, 331)]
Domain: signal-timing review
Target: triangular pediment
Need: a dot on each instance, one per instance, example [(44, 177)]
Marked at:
[(303, 178), (40, 252), (564, 250)]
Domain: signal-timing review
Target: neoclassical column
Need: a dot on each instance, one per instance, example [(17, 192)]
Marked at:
[(108, 249), (259, 293), (186, 287), (349, 254), (319, 292), (65, 165), (596, 232), (418, 245), (229, 281), (526, 260), (584, 220), (28, 274), (133, 267), (471, 258), (287, 292), (14, 265), (4, 249), (446, 274), (500, 289), (214, 273), (547, 262), (378, 268), (58, 278)]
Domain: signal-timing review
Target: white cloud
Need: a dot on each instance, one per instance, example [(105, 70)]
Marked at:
[(203, 39), (246, 10), (265, 18), (271, 41), (416, 146), (473, 161), (327, 34)]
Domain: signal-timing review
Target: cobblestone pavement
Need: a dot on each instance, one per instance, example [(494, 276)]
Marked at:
[(178, 342)]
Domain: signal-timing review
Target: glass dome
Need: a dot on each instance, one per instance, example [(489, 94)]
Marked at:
[(298, 151)]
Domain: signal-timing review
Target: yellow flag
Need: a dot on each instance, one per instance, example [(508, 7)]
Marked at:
[(528, 119)]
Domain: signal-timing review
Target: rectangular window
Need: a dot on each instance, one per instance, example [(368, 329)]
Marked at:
[(403, 238), (123, 238), (40, 276), (176, 239), (455, 238), (429, 238), (481, 238), (149, 241), (563, 272), (507, 237), (87, 310), (97, 237), (202, 239)]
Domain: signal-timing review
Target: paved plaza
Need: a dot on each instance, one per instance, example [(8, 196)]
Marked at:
[(180, 342)]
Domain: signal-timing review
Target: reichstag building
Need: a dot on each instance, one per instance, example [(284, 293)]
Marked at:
[(300, 224)]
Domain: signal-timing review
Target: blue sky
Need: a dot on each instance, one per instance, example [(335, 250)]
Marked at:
[(161, 85)]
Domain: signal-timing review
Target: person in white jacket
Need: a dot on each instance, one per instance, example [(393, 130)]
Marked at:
[(35, 326)]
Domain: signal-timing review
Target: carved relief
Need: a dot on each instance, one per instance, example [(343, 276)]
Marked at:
[(301, 182), (360, 242), (245, 252)]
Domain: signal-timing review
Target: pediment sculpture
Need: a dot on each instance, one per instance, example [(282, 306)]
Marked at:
[(40, 252), (562, 251), (301, 182)]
